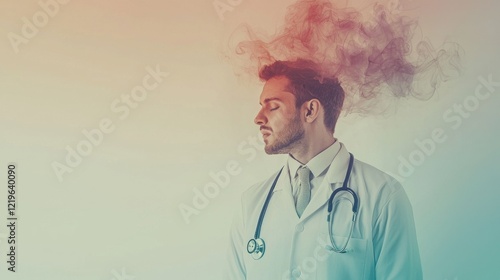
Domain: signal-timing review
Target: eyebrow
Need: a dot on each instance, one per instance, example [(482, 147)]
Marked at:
[(270, 99)]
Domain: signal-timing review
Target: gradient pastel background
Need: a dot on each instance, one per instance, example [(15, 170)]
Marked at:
[(118, 211)]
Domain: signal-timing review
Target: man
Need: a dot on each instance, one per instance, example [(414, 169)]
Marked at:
[(299, 110)]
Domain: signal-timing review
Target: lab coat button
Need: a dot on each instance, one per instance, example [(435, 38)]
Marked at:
[(296, 273), (299, 228)]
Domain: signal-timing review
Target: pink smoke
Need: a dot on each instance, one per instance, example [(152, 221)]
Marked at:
[(370, 53)]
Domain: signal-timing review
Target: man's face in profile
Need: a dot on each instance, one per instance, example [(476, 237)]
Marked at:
[(279, 119)]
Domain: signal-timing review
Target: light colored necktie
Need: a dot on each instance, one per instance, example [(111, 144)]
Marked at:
[(304, 193)]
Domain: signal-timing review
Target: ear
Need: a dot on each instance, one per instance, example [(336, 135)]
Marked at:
[(311, 110)]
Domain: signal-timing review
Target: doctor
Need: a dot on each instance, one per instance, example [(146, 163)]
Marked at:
[(297, 117)]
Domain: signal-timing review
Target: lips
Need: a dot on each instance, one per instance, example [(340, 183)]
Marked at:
[(265, 133)]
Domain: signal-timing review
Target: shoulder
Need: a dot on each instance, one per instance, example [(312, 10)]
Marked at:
[(377, 187), (375, 178)]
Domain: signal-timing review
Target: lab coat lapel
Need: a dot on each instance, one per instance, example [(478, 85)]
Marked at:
[(283, 189), (335, 174)]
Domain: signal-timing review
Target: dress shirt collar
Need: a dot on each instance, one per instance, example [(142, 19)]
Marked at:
[(318, 164)]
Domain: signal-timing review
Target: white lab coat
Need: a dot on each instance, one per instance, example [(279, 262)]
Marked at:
[(383, 244)]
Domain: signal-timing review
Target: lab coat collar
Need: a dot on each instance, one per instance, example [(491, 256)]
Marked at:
[(335, 174), (338, 168), (283, 188)]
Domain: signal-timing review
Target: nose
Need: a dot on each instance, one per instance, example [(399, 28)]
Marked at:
[(260, 118)]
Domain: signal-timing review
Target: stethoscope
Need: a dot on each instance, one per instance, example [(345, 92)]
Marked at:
[(256, 246)]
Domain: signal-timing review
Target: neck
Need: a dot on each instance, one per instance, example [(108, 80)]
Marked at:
[(311, 146)]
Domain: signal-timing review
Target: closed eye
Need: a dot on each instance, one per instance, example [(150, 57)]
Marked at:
[(275, 108)]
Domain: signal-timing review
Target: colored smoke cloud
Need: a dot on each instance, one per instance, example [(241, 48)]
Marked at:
[(372, 53)]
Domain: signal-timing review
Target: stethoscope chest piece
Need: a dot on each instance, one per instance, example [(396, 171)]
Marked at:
[(256, 248)]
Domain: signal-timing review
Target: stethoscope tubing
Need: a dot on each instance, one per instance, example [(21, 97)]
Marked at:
[(258, 245), (264, 208), (344, 187)]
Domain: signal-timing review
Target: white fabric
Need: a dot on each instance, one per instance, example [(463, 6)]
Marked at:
[(383, 244)]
